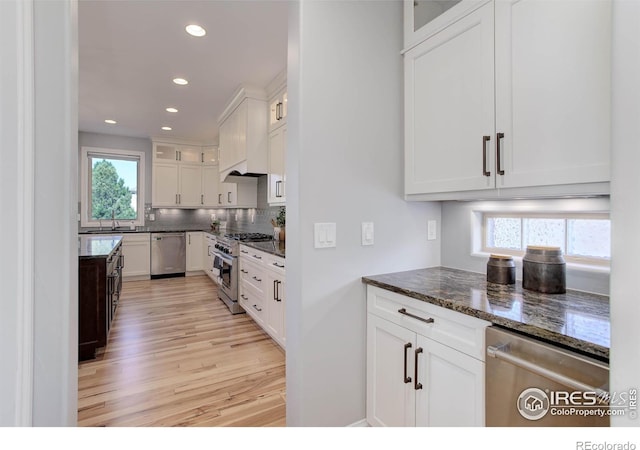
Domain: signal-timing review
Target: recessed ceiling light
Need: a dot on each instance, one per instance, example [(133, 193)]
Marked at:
[(195, 30), (110, 121), (172, 110), (180, 81), (166, 128)]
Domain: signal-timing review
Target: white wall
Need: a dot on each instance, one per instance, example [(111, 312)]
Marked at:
[(38, 275), (15, 404), (344, 165), (457, 229), (86, 139), (56, 246), (625, 201)]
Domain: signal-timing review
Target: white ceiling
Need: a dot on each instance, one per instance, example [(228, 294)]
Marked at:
[(130, 51)]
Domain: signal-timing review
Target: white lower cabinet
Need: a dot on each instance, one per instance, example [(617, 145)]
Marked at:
[(207, 255), (424, 371), (194, 250), (136, 249), (262, 291)]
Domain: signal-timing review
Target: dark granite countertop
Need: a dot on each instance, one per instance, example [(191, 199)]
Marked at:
[(159, 229), (97, 246), (276, 248), (575, 320)]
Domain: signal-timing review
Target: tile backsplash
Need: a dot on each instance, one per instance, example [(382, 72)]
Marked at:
[(243, 220), (254, 220)]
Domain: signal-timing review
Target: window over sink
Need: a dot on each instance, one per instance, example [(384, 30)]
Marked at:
[(112, 187), (585, 238)]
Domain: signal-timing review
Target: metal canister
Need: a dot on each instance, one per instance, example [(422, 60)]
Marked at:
[(544, 270), (501, 269)]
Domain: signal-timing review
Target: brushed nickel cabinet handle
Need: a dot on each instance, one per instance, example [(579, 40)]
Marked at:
[(404, 311), (406, 347), (416, 385), (499, 169), (485, 172)]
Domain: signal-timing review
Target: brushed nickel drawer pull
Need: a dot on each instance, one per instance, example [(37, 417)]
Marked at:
[(499, 137), (404, 311), (417, 385), (485, 172), (406, 347)]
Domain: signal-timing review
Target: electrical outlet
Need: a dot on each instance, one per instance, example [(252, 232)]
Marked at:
[(431, 230), (367, 233)]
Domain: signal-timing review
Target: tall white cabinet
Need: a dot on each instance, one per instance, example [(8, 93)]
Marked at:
[(509, 97), (276, 175), (425, 364)]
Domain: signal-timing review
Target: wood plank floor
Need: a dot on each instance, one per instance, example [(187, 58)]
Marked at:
[(177, 357)]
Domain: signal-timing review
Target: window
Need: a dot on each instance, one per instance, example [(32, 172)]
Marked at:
[(583, 238), (112, 187)]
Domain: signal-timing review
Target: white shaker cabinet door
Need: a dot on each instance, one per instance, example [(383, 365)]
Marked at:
[(452, 387), (553, 91), (165, 185), (190, 186), (449, 107), (390, 397)]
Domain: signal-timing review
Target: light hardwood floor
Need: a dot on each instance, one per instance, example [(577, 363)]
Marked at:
[(177, 357)]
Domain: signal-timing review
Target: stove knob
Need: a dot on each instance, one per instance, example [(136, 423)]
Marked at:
[(226, 250)]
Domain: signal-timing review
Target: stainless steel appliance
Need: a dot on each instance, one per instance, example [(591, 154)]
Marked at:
[(531, 383), (168, 254), (226, 252)]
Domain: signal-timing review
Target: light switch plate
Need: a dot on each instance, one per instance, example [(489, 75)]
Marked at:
[(324, 235), (367, 233), (431, 230)]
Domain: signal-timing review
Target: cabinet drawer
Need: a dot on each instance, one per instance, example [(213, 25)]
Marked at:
[(275, 263), (252, 274), (252, 301), (451, 328)]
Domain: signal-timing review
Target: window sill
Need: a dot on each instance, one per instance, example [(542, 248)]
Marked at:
[(570, 265)]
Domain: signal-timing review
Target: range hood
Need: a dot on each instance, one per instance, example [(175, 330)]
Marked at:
[(243, 140), (240, 170)]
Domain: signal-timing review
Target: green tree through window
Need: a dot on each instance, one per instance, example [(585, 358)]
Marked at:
[(109, 194)]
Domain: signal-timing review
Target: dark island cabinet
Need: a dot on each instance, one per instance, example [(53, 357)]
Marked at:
[(99, 286)]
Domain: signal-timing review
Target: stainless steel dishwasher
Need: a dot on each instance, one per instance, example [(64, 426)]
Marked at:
[(531, 383), (168, 254)]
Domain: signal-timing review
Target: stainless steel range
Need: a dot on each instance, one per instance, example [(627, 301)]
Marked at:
[(226, 252)]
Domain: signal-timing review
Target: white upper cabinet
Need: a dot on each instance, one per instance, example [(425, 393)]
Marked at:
[(553, 95), (423, 18), (277, 176), (210, 155), (185, 176), (449, 106), (243, 133), (278, 110), (524, 114)]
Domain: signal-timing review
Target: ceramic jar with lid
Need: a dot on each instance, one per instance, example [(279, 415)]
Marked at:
[(501, 269), (544, 270)]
